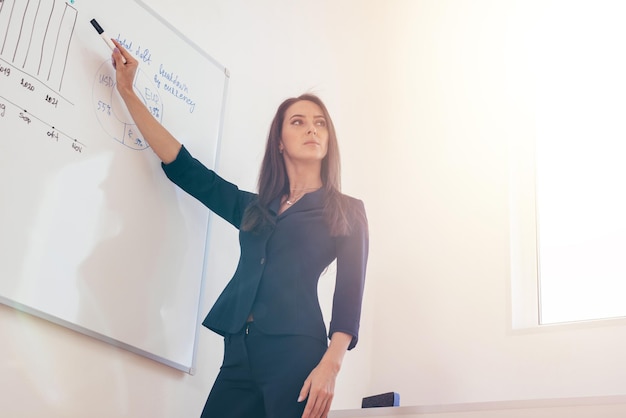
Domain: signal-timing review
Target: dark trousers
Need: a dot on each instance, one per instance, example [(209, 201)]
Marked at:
[(262, 375)]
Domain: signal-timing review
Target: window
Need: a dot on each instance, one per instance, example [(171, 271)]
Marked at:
[(568, 186)]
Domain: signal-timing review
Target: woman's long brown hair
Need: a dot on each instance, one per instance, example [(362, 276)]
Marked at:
[(273, 180)]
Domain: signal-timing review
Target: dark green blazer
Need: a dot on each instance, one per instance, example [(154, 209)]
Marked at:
[(278, 271)]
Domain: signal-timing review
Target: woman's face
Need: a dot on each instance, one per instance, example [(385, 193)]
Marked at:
[(305, 133)]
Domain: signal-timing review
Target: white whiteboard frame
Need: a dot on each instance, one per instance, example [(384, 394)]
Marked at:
[(112, 341)]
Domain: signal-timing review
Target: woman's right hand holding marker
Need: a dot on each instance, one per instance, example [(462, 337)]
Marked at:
[(124, 72)]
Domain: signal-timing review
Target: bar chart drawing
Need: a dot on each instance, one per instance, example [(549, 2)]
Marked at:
[(35, 37)]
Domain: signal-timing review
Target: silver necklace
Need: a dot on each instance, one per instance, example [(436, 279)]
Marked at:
[(291, 202), (304, 191)]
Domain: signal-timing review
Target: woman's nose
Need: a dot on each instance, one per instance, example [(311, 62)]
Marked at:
[(312, 130)]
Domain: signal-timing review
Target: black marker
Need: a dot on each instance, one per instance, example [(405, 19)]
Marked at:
[(104, 36)]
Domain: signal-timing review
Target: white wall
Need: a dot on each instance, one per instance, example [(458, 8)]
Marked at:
[(425, 94), (464, 89)]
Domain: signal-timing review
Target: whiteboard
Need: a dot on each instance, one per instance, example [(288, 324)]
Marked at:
[(93, 236)]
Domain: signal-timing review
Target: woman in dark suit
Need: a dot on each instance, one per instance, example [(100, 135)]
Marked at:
[(276, 349)]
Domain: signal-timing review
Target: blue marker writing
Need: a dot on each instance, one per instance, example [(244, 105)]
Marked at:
[(104, 36)]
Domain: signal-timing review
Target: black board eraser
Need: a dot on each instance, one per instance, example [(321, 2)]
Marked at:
[(382, 400)]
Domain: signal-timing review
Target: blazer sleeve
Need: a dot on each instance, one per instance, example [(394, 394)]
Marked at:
[(222, 197), (352, 253)]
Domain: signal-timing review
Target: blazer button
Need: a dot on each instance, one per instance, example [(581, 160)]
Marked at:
[(262, 260)]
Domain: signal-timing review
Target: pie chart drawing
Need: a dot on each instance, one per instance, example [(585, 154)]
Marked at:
[(111, 110)]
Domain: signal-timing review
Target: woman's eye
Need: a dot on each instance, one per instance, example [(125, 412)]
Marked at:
[(296, 122), (321, 123)]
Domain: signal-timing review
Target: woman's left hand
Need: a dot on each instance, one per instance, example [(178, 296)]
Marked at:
[(319, 387)]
